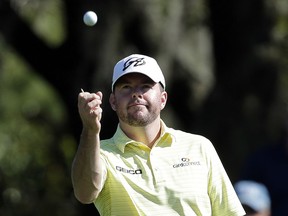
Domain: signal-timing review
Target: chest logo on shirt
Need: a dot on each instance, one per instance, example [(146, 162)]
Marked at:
[(129, 171), (186, 162)]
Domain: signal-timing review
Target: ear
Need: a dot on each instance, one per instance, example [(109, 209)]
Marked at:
[(164, 97), (112, 101)]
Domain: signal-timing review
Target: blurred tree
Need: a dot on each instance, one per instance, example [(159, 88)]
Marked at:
[(249, 46), (223, 60)]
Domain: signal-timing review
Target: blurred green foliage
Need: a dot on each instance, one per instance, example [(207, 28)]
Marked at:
[(35, 150), (45, 17)]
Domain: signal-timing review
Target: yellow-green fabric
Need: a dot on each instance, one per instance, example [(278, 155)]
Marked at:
[(181, 175)]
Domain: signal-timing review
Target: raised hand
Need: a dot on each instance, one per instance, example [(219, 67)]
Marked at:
[(89, 107)]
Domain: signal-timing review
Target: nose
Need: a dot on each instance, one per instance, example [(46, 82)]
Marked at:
[(136, 93)]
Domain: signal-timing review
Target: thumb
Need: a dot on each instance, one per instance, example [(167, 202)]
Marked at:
[(99, 93)]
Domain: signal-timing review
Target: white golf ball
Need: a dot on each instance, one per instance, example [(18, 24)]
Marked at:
[(90, 18)]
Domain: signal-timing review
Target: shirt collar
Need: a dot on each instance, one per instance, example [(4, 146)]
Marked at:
[(121, 140)]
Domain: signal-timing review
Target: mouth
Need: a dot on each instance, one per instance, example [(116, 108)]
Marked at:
[(136, 105)]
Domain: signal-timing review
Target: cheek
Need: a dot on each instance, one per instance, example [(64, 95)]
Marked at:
[(119, 104), (156, 100)]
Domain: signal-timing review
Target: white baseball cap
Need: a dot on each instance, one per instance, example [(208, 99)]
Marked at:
[(137, 63), (253, 194)]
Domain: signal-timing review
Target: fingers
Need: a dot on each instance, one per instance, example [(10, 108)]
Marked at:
[(91, 100), (89, 108), (99, 93)]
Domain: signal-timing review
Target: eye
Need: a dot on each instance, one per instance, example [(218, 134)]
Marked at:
[(125, 86), (147, 86)]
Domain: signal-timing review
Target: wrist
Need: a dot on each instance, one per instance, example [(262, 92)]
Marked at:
[(88, 132)]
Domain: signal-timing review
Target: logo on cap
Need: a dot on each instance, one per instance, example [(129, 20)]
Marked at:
[(134, 60)]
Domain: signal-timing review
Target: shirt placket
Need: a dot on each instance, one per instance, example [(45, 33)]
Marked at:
[(155, 166)]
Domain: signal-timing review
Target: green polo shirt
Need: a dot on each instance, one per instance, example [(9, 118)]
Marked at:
[(181, 175)]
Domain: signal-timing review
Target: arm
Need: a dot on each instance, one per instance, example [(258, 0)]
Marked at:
[(87, 169)]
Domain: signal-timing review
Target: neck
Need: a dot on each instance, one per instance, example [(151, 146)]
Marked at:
[(146, 134)]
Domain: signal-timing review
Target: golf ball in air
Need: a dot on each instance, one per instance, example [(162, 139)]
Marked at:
[(90, 18)]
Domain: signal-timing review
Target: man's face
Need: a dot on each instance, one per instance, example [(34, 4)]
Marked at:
[(137, 99)]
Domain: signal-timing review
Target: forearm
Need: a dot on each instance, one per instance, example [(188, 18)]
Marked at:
[(87, 170)]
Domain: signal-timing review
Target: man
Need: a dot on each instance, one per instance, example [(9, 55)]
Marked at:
[(146, 168), (254, 197)]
